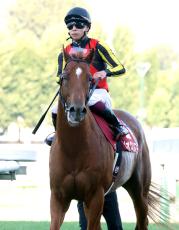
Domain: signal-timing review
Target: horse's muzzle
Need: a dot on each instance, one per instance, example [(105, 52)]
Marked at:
[(76, 114)]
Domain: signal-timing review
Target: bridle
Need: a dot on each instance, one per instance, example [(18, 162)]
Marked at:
[(92, 86)]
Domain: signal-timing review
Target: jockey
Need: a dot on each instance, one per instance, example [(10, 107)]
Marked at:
[(104, 65)]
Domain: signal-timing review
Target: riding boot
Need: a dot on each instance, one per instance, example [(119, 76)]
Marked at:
[(49, 139), (110, 117)]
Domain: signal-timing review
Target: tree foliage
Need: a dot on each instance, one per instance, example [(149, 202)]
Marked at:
[(124, 90), (28, 55)]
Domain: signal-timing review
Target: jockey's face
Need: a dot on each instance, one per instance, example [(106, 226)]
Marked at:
[(77, 33)]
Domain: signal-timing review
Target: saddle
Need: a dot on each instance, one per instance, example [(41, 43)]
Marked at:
[(126, 143)]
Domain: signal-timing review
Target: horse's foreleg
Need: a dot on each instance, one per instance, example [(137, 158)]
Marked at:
[(58, 208), (93, 210)]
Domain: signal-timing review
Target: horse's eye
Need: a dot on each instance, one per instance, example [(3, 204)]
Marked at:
[(64, 76)]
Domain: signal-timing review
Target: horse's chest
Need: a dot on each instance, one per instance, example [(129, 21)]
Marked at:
[(77, 184)]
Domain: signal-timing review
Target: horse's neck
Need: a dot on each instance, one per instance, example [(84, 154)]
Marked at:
[(73, 136)]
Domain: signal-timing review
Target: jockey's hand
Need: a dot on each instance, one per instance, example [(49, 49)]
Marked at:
[(101, 75)]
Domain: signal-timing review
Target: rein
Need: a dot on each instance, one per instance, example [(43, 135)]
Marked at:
[(44, 115), (92, 90)]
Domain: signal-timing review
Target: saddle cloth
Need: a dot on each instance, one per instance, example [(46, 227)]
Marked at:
[(128, 143)]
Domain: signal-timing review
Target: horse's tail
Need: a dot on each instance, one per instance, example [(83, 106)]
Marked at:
[(158, 201)]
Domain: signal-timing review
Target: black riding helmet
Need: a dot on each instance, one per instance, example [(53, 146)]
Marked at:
[(78, 14)]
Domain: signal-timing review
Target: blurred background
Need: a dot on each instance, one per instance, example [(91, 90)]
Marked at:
[(144, 35)]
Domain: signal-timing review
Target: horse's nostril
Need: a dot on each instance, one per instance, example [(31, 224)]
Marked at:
[(77, 109), (72, 109), (84, 110)]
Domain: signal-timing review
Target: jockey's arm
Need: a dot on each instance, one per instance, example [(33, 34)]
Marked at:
[(116, 68)]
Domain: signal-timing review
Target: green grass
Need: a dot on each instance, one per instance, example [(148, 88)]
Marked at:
[(30, 225)]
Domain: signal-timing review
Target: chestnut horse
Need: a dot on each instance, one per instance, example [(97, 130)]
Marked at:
[(81, 159)]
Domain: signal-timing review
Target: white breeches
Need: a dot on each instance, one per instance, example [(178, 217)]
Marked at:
[(98, 95)]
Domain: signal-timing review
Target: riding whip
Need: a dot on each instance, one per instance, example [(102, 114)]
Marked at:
[(43, 116)]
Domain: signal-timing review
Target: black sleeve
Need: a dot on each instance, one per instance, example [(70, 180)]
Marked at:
[(60, 64)]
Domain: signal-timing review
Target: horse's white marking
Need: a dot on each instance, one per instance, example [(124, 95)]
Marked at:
[(78, 72)]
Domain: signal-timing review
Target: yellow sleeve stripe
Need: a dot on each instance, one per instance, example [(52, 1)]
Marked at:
[(108, 56)]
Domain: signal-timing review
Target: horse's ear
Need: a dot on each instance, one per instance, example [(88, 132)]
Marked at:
[(90, 56), (65, 54)]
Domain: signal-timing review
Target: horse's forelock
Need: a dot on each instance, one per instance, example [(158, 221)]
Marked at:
[(78, 55)]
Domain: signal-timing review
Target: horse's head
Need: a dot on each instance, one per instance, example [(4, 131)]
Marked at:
[(75, 84)]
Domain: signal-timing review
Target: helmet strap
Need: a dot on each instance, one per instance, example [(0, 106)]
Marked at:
[(68, 37)]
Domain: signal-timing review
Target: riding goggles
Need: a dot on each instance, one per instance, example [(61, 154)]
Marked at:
[(78, 25)]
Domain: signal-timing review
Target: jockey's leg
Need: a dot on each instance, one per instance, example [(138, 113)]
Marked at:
[(54, 120), (100, 109), (49, 139)]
